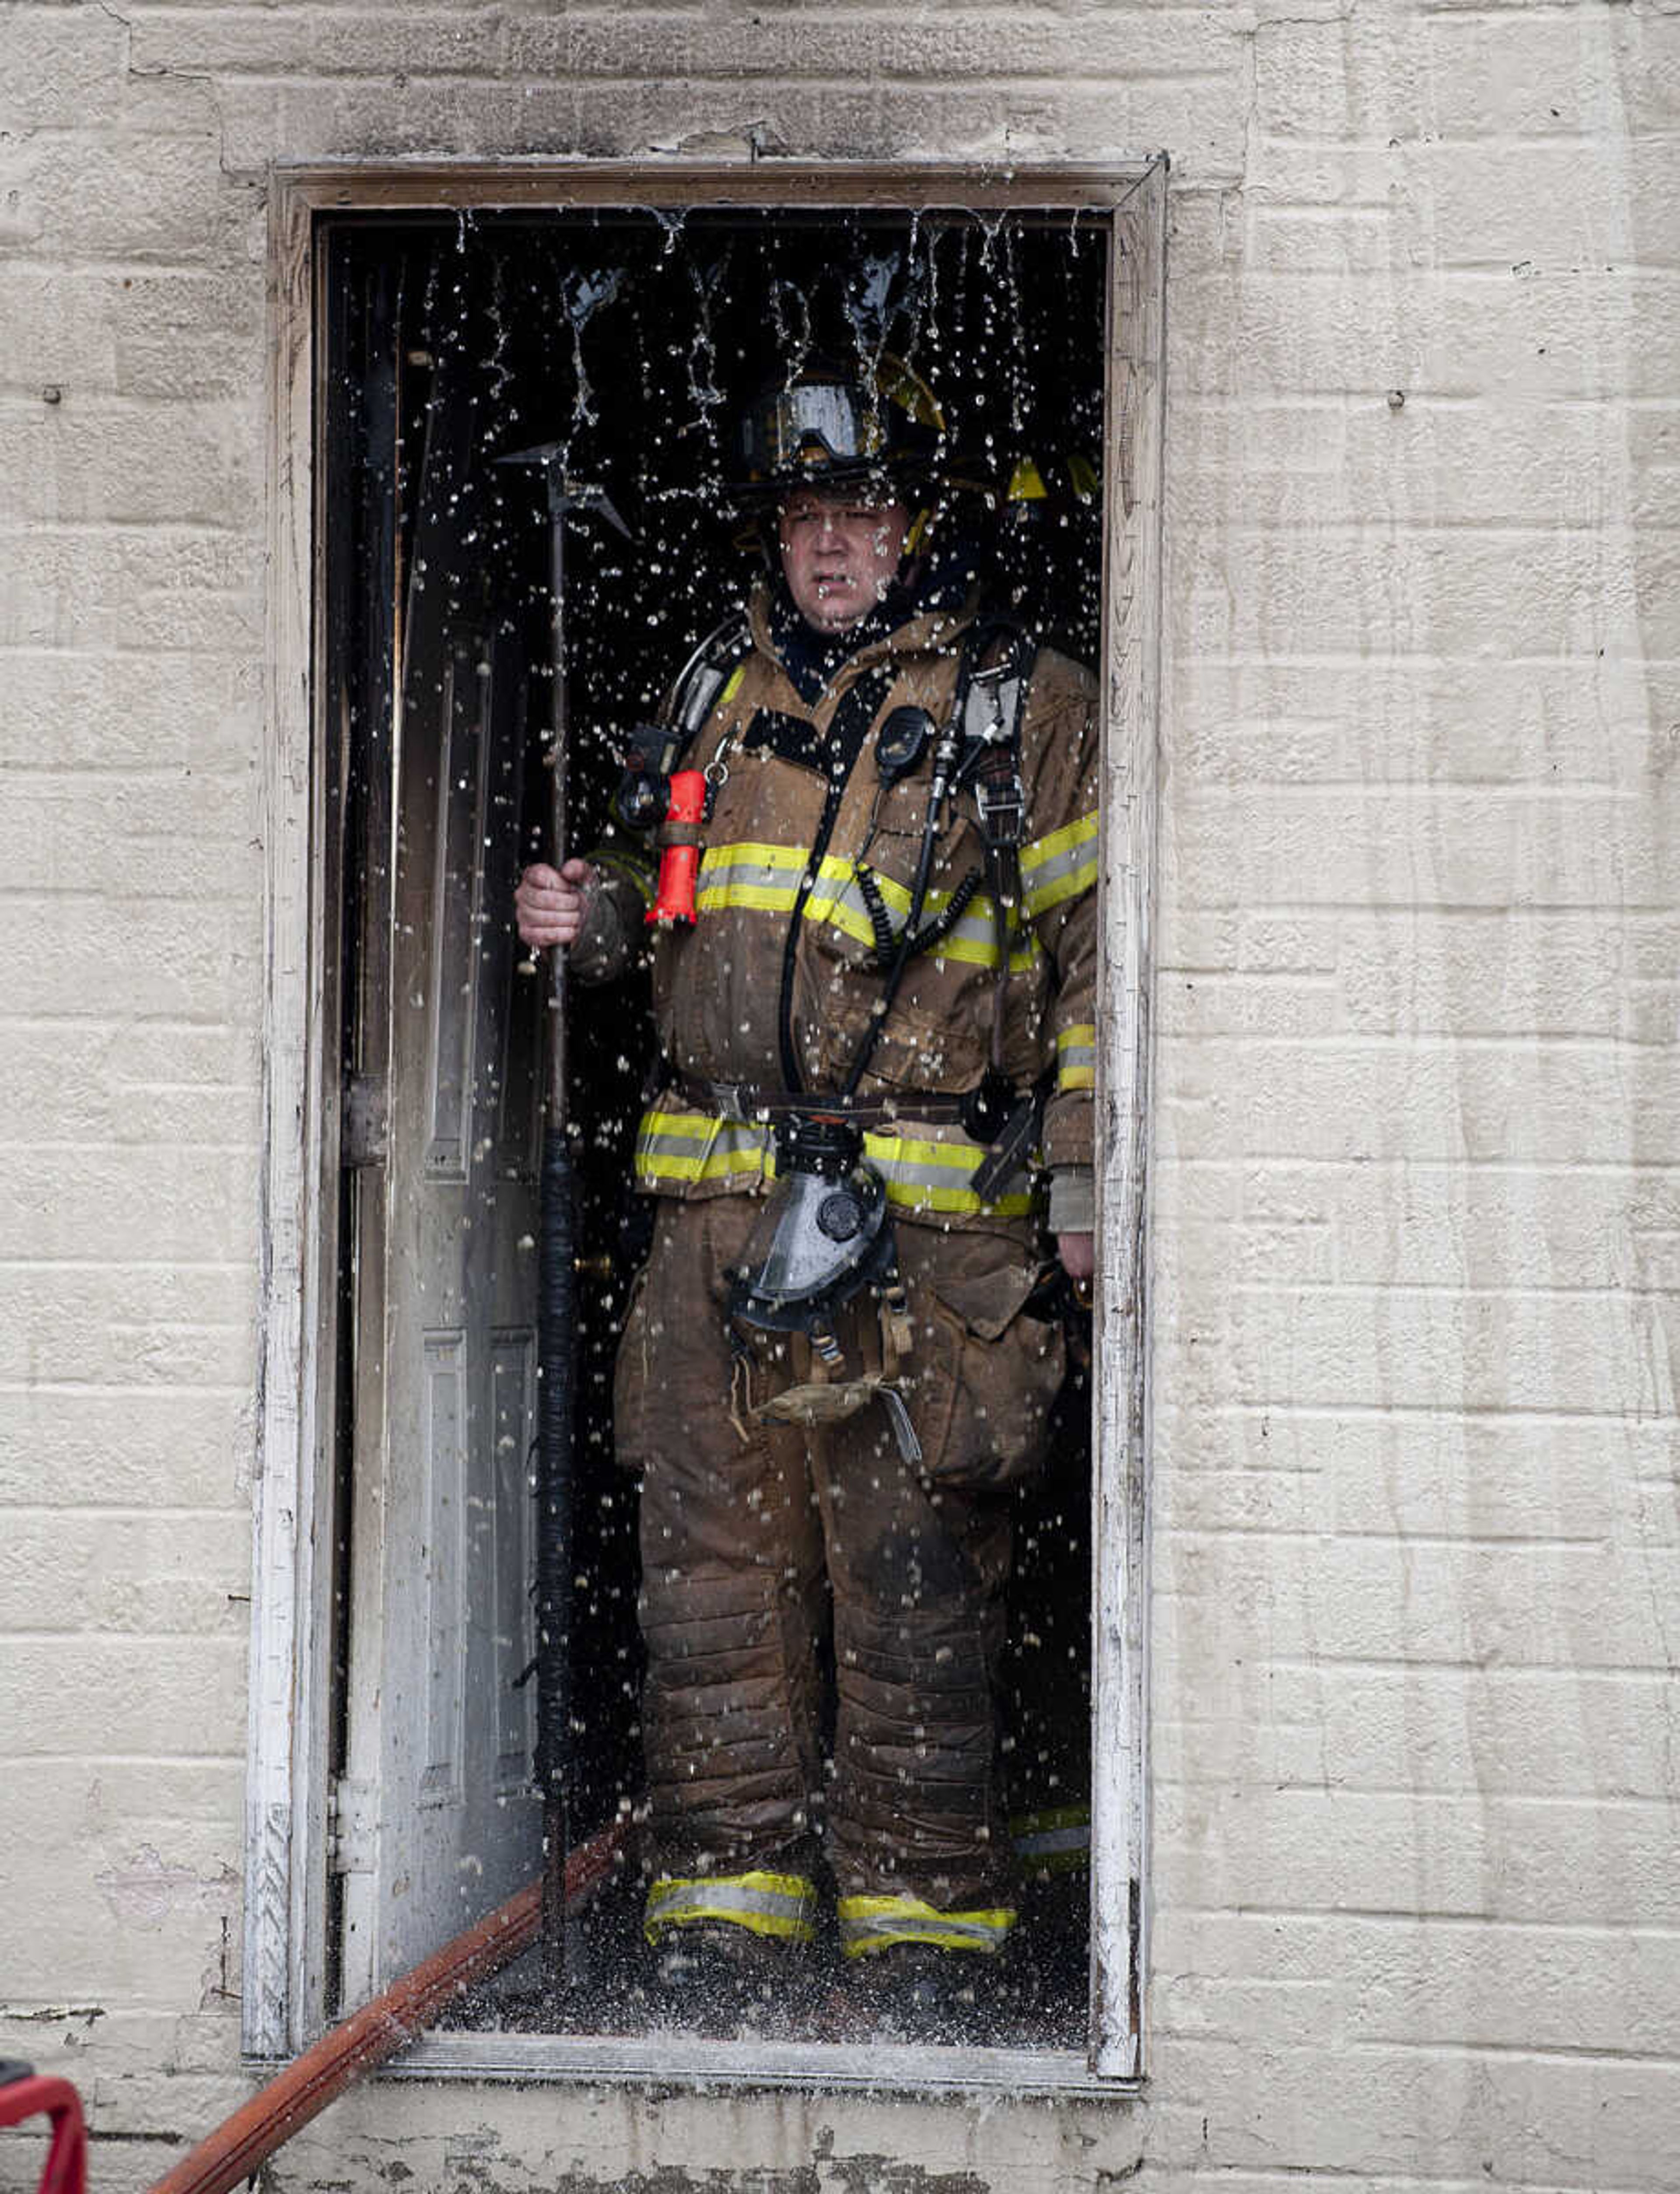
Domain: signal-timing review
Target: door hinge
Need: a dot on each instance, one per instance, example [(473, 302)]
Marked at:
[(363, 1139), (352, 1817)]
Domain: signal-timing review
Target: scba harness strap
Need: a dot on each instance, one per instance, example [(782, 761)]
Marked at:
[(826, 1233), (653, 753), (981, 749), (993, 678), (980, 745)]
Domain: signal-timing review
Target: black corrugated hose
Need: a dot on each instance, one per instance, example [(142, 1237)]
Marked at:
[(556, 1763)]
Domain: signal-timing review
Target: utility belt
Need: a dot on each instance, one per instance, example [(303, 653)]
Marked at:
[(742, 1101), (696, 1132), (1003, 1119)]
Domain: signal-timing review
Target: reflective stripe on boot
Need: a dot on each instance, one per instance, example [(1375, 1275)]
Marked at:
[(876, 1923), (783, 1905)]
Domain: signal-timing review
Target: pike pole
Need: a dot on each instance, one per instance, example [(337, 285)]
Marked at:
[(557, 1264)]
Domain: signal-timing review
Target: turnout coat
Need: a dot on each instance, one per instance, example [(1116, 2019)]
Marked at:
[(717, 987)]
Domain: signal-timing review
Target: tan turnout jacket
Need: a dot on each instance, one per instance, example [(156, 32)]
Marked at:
[(717, 986)]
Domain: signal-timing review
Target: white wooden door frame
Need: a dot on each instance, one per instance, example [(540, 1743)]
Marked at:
[(284, 1981)]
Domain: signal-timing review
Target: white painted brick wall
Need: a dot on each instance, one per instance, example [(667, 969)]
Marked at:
[(1418, 1212)]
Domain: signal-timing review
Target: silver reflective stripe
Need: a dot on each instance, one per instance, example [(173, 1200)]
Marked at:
[(926, 1176), (780, 1905), (692, 1899), (765, 879), (972, 938), (728, 1139), (954, 1930), (698, 1146), (1060, 866)]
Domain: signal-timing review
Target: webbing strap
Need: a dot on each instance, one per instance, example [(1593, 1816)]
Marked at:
[(746, 1100), (858, 707)]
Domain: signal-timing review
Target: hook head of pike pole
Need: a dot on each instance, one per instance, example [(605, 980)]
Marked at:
[(564, 494)]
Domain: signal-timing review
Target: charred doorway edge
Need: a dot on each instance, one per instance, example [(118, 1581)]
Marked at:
[(285, 1978)]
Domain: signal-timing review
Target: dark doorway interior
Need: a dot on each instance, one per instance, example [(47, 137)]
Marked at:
[(633, 338)]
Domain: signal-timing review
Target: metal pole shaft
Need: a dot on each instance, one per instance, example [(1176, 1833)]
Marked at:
[(558, 742), (556, 1561)]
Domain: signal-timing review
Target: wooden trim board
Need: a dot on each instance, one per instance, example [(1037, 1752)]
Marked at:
[(285, 1945)]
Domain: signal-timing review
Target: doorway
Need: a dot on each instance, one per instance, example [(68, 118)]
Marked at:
[(448, 341)]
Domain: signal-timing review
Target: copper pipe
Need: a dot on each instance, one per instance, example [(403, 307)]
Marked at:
[(363, 2041)]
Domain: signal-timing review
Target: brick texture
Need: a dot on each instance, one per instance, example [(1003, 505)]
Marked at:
[(1416, 1221)]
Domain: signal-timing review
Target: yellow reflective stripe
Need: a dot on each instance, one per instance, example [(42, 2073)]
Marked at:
[(837, 900), (757, 899), (752, 854), (780, 1905), (1059, 866), (698, 1146), (733, 685), (876, 1923), (923, 1176), (764, 878), (1076, 1056), (973, 938), (1056, 844)]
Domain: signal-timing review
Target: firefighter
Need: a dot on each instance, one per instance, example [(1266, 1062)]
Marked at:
[(875, 1016)]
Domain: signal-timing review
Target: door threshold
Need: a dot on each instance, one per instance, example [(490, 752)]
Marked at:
[(681, 2060)]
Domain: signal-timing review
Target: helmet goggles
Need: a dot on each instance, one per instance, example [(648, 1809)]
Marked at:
[(809, 427)]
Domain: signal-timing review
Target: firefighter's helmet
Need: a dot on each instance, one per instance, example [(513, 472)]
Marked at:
[(827, 426)]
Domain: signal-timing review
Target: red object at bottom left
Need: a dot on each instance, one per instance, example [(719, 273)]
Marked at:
[(26, 2094)]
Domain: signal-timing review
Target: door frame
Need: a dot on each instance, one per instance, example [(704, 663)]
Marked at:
[(286, 1969)]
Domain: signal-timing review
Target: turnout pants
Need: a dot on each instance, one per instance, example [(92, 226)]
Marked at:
[(823, 1621)]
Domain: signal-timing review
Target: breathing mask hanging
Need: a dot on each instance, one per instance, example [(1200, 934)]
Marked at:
[(824, 1234)]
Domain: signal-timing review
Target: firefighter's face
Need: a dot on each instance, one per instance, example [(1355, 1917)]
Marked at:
[(840, 552)]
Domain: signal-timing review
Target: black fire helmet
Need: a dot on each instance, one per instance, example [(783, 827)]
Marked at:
[(826, 426)]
